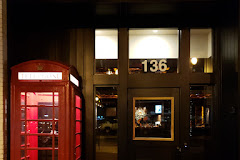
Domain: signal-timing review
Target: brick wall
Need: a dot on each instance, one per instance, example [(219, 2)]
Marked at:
[(1, 85), (3, 78)]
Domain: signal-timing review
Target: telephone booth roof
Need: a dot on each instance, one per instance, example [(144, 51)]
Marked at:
[(44, 71)]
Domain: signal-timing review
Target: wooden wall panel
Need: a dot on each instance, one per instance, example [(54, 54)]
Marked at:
[(228, 81)]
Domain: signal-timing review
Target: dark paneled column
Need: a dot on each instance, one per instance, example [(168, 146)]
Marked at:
[(184, 71), (88, 91), (123, 78), (228, 79)]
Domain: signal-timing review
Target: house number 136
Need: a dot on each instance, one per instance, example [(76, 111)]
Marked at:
[(162, 66)]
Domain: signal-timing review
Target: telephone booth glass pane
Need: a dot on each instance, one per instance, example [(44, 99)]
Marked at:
[(78, 130), (78, 152), (77, 98), (22, 141), (41, 119), (55, 99), (45, 155), (22, 98), (39, 127), (40, 141), (56, 155), (78, 115), (23, 126), (56, 128), (56, 112), (23, 113), (78, 124), (40, 98), (40, 113), (56, 142), (78, 140), (22, 153)]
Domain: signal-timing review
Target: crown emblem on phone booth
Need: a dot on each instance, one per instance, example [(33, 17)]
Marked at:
[(39, 67)]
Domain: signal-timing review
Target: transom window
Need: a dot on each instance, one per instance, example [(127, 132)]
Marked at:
[(153, 50)]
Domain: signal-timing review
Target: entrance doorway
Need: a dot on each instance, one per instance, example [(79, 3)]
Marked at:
[(154, 128), (157, 126)]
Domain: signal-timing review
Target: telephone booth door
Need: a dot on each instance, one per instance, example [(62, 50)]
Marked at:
[(39, 129), (46, 115)]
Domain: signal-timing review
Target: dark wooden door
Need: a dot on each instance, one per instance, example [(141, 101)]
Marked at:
[(153, 123)]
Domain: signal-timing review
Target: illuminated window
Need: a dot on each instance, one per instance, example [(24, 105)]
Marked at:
[(153, 118), (201, 50), (200, 110), (153, 50), (106, 51)]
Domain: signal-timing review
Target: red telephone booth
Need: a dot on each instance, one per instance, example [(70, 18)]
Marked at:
[(46, 112)]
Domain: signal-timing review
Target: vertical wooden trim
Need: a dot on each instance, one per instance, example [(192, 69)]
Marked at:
[(134, 131), (67, 121), (73, 49), (238, 30), (5, 79), (12, 128), (53, 125), (217, 88), (88, 91), (184, 60), (79, 52), (184, 53), (122, 94)]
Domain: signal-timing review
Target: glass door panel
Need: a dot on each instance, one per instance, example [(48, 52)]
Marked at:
[(106, 122), (201, 117), (153, 118)]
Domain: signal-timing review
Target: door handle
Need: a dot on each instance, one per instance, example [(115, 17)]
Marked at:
[(178, 153), (185, 145), (179, 149)]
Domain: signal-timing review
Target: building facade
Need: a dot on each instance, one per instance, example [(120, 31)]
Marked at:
[(145, 97)]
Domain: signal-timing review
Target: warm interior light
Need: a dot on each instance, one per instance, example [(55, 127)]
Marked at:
[(109, 72), (155, 31), (194, 60), (98, 32), (153, 46), (106, 44), (116, 71), (96, 99)]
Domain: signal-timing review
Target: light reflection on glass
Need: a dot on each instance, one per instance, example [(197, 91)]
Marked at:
[(153, 117), (106, 123)]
